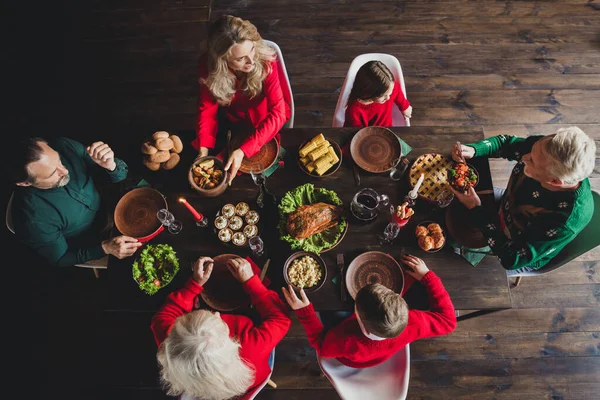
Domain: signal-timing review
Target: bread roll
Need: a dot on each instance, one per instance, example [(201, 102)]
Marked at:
[(426, 242), (421, 231), (150, 165), (160, 156), (160, 135), (147, 148), (164, 144), (171, 162), (434, 227), (177, 144)]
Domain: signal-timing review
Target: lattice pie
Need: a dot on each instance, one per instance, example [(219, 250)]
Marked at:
[(434, 166)]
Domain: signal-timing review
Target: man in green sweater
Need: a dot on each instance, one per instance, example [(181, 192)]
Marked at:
[(547, 202), (56, 207)]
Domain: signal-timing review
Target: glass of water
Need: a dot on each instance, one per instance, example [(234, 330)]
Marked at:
[(165, 217), (256, 245), (258, 174), (390, 233), (175, 227)]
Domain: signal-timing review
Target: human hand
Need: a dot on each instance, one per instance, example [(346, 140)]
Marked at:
[(416, 267), (292, 298), (102, 154), (469, 199), (203, 152), (467, 152), (240, 269), (408, 112), (202, 269), (121, 246), (234, 162)]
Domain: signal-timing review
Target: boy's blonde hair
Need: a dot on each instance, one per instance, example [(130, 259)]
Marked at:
[(382, 311), (372, 80), (223, 34)]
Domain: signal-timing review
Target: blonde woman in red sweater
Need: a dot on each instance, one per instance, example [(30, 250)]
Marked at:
[(238, 76), (381, 324), (373, 96), (212, 356)]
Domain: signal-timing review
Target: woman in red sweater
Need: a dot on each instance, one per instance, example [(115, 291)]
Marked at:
[(373, 96), (382, 324), (238, 75), (212, 356)]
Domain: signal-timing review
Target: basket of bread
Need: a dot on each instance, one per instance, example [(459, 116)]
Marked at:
[(319, 156), (430, 236), (162, 151)]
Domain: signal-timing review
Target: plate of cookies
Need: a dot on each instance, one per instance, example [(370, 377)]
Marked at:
[(430, 236), (234, 224)]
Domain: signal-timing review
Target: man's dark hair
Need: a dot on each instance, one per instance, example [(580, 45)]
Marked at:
[(23, 151)]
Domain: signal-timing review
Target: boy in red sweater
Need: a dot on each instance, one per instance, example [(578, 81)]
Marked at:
[(215, 356), (382, 324), (373, 96)]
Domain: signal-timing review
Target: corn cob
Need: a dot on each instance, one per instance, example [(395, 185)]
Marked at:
[(323, 162), (310, 166), (334, 157), (319, 151), (310, 146)]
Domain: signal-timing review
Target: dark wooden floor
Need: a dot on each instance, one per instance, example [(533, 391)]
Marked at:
[(118, 70)]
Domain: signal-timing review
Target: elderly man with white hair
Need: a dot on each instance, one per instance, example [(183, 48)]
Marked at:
[(547, 202), (212, 356)]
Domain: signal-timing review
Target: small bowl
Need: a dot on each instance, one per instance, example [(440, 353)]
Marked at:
[(425, 223), (338, 151), (300, 254), (217, 190), (451, 182)]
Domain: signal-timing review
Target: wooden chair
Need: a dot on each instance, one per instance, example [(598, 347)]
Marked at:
[(386, 381), (339, 115), (585, 241), (285, 82)]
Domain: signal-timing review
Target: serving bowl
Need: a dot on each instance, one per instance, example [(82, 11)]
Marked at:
[(297, 255), (219, 188)]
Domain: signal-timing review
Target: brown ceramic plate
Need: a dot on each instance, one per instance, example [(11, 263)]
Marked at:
[(330, 171), (434, 250), (317, 258), (460, 227), (135, 213), (374, 267), (374, 149), (222, 291), (266, 157)]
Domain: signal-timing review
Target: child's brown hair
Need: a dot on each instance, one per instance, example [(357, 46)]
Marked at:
[(372, 80), (383, 312)]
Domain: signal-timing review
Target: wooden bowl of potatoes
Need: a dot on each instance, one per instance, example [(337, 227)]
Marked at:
[(162, 151), (207, 176)]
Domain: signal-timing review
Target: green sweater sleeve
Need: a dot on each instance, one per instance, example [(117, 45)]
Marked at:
[(544, 236), (119, 173), (504, 146)]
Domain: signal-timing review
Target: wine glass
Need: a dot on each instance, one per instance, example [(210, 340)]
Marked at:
[(165, 217), (257, 172), (175, 227), (444, 199), (256, 245), (390, 233)]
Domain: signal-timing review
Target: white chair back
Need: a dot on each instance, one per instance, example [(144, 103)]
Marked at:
[(386, 381), (284, 78), (339, 116), (9, 219)]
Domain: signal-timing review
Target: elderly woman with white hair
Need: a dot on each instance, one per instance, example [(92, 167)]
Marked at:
[(547, 202), (214, 356)]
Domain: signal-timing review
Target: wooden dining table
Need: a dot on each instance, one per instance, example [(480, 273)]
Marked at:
[(481, 289)]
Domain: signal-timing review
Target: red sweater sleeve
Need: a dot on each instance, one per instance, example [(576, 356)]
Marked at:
[(206, 120), (276, 117), (354, 118), (275, 320), (400, 100), (178, 303), (441, 320), (316, 337)]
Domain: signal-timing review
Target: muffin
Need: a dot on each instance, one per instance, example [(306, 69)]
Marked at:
[(426, 242), (252, 217), (438, 239), (250, 231), (239, 239), (225, 235), (221, 222), (434, 227), (228, 210), (242, 209), (236, 223), (421, 231)]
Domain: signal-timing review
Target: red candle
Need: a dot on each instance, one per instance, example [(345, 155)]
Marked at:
[(197, 216)]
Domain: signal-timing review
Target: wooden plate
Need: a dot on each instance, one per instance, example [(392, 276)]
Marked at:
[(319, 261), (266, 157), (435, 167), (222, 291), (135, 213), (375, 148), (374, 267), (334, 167)]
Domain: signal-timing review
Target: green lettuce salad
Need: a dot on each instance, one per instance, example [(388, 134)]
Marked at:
[(302, 196), (155, 267)]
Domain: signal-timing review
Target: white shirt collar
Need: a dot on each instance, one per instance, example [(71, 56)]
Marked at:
[(364, 331)]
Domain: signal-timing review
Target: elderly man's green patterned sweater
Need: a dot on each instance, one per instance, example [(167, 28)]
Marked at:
[(533, 224)]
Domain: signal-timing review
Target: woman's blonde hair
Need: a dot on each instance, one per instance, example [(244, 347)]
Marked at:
[(573, 155), (222, 35), (199, 358)]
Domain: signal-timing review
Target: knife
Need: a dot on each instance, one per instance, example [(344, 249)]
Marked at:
[(340, 265), (356, 175), (264, 269)]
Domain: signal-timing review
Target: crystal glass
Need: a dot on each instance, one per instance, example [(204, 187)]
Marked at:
[(256, 245), (165, 217), (390, 233), (175, 227), (258, 174), (399, 166), (444, 199)]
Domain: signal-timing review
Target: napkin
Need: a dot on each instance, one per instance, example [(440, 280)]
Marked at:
[(403, 145), (256, 269), (270, 170), (471, 255)]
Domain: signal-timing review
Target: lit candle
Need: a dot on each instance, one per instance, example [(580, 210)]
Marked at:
[(197, 216), (415, 190)]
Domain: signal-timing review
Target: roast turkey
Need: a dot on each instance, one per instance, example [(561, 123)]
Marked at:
[(312, 219)]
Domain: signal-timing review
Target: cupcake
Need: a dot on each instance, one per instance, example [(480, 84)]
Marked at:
[(242, 209), (239, 239), (221, 222), (225, 235), (228, 210), (236, 223), (252, 217), (250, 231)]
